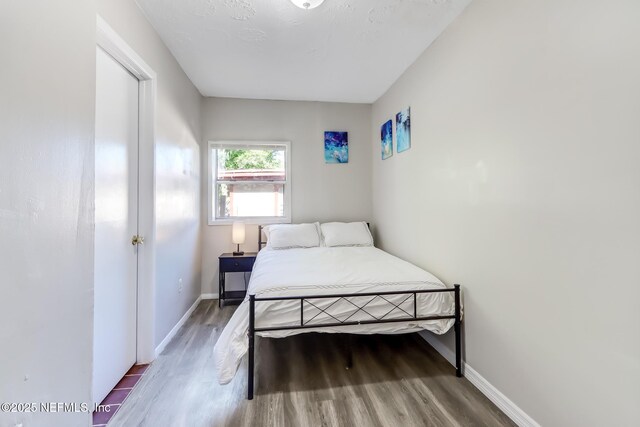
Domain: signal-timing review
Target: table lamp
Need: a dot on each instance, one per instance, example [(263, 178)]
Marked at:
[(237, 236)]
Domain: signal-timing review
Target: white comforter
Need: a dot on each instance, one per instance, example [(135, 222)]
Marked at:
[(322, 270)]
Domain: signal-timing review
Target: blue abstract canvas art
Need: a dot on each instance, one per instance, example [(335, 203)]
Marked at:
[(336, 147), (403, 130), (386, 139)]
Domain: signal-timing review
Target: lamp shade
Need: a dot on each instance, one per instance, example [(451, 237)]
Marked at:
[(238, 233), (307, 4)]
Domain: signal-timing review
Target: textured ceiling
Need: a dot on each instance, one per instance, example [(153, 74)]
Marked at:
[(343, 51)]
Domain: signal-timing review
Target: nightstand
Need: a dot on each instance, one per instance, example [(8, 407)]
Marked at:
[(228, 263)]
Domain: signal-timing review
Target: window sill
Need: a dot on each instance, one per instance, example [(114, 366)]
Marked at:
[(250, 221)]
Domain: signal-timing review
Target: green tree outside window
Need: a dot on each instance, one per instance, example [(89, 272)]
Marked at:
[(251, 159)]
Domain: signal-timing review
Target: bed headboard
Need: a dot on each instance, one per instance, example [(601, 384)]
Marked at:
[(262, 244)]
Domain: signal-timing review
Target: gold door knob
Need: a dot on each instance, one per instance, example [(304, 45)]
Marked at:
[(137, 240)]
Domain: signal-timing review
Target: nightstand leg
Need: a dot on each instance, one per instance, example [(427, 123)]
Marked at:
[(220, 288)]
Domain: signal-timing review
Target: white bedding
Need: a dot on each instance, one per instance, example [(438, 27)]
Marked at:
[(324, 270)]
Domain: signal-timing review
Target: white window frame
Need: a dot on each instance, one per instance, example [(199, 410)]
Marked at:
[(212, 170)]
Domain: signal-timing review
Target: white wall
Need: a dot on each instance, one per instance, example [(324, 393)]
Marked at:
[(522, 185), (177, 167), (320, 192), (47, 101)]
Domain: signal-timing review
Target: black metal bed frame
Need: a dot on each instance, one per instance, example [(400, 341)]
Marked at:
[(360, 308)]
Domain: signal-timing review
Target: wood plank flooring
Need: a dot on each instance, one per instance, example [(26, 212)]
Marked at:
[(302, 381)]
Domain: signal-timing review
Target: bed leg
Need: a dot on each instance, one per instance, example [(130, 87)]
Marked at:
[(349, 351), (252, 334), (457, 331)]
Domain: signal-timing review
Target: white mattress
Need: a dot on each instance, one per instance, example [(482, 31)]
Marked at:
[(321, 271)]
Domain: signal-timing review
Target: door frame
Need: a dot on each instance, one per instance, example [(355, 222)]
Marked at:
[(114, 45)]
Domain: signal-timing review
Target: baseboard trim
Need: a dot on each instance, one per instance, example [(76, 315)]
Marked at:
[(209, 296), (177, 327), (505, 404)]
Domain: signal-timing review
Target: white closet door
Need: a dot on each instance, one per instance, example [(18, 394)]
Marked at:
[(116, 216)]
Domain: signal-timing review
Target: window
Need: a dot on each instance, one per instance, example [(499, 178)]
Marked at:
[(249, 181)]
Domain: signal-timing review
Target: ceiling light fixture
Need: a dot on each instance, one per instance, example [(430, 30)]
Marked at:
[(307, 4)]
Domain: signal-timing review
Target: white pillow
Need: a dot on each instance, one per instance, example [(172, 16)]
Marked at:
[(287, 236), (346, 234)]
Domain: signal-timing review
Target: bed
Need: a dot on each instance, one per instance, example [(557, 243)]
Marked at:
[(346, 289)]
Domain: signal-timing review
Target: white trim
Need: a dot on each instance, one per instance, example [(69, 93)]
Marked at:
[(211, 220), (251, 220), (209, 296), (181, 322), (505, 404), (115, 46), (172, 333), (108, 40)]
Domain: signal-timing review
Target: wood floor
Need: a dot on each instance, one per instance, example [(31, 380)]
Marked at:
[(302, 381)]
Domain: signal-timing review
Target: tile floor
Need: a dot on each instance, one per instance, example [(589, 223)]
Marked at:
[(114, 399)]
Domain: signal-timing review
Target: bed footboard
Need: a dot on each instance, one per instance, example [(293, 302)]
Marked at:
[(410, 316)]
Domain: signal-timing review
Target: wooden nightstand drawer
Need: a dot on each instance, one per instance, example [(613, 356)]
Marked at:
[(229, 265)]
